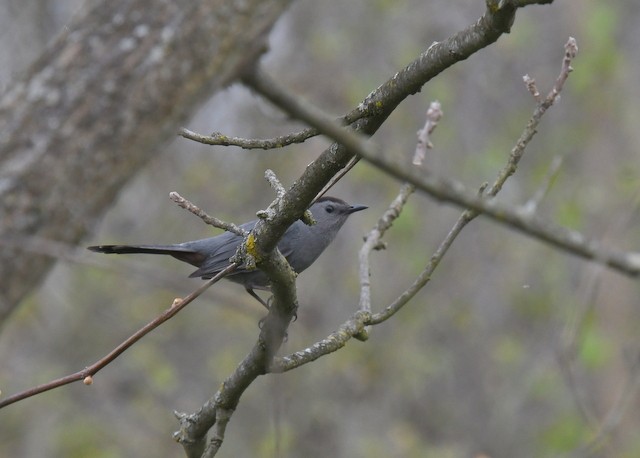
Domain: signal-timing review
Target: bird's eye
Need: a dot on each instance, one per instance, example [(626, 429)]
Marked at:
[(329, 209)]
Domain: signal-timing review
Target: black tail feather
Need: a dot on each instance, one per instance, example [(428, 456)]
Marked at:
[(124, 249), (178, 252)]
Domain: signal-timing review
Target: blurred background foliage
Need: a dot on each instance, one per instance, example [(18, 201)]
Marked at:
[(513, 349)]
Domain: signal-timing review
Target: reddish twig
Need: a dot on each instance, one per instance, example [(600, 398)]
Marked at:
[(86, 374)]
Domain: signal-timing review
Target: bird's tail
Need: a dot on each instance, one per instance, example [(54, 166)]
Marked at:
[(125, 249), (177, 251)]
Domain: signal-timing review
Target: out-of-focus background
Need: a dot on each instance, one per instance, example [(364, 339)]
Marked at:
[(513, 349)]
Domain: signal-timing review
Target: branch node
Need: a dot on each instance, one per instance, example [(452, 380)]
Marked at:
[(380, 246), (363, 335), (532, 87)]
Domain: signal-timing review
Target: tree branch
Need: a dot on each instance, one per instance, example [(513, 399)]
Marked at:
[(449, 190), (210, 220), (263, 239), (86, 374), (356, 326), (99, 102)]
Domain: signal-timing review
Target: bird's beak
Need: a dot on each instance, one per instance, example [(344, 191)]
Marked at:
[(357, 208)]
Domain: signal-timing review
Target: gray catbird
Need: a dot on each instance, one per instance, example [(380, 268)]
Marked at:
[(300, 244)]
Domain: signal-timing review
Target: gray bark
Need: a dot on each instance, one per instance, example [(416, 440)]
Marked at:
[(110, 91)]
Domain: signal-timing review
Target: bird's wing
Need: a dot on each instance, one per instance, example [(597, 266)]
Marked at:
[(218, 251), (228, 244)]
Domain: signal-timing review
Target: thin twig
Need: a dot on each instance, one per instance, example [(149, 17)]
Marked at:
[(276, 205), (373, 239), (455, 192), (509, 169), (356, 326), (434, 113), (373, 242), (220, 139), (571, 49), (87, 373), (275, 183), (378, 106), (337, 177), (210, 220)]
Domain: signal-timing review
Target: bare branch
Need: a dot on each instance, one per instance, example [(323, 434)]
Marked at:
[(216, 412), (337, 177), (333, 342), (219, 139), (514, 159), (87, 373), (357, 325), (137, 73), (454, 192), (210, 220), (434, 113), (275, 183), (375, 110), (373, 239), (373, 242), (532, 87)]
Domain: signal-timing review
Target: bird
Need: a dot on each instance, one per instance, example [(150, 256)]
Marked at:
[(301, 245)]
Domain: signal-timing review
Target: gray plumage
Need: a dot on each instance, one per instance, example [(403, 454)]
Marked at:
[(300, 244)]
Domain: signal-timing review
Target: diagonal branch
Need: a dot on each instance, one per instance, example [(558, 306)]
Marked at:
[(375, 109), (208, 219), (452, 191), (357, 325), (86, 374), (178, 304), (379, 104)]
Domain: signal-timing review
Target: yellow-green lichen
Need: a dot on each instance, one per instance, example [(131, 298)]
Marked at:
[(493, 6), (251, 245), (252, 255)]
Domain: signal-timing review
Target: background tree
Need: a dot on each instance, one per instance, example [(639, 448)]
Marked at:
[(118, 78), (476, 350)]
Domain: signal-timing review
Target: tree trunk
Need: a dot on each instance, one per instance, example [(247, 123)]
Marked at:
[(107, 94)]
